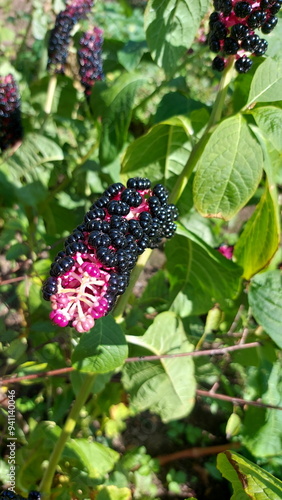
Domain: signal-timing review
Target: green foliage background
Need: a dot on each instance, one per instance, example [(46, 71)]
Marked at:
[(153, 115)]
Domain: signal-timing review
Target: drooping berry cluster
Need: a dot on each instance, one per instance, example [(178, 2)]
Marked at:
[(95, 265), (60, 35), (232, 28), (10, 495), (10, 114), (89, 58)]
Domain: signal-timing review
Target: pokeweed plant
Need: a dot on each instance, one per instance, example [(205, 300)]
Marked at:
[(155, 118)]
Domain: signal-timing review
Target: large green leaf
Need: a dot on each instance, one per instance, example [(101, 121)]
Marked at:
[(267, 82), (96, 458), (161, 153), (102, 349), (265, 298), (114, 105), (260, 238), (35, 150), (248, 480), (167, 386), (228, 171), (171, 26), (269, 120), (262, 432), (200, 276), (113, 493)]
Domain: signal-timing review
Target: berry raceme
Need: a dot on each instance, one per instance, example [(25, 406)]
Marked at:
[(11, 130), (10, 495), (90, 58), (61, 33), (232, 28), (95, 265)]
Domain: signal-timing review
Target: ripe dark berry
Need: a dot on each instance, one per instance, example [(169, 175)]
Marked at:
[(59, 256), (34, 495), (101, 202), (218, 63), (95, 213), (106, 256), (242, 9), (97, 239), (250, 43), (7, 494), (256, 19), (118, 207), (135, 228), (274, 9), (120, 223), (224, 6), (269, 25), (131, 197), (214, 44), (219, 30), (143, 244), (261, 47), (239, 31), (243, 64), (139, 183), (61, 266), (77, 246), (81, 227), (230, 46), (114, 189), (94, 225), (75, 236), (161, 192), (117, 239), (214, 17)]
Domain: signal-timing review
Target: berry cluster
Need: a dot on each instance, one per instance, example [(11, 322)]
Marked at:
[(232, 28), (60, 35), (95, 265), (10, 115), (10, 495), (89, 58)]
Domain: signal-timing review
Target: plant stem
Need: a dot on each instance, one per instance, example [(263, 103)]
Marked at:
[(50, 94), (198, 148), (46, 483), (123, 300)]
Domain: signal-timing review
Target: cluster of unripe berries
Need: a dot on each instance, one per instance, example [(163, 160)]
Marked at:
[(10, 495), (10, 115), (232, 32), (90, 58), (95, 265), (61, 33)]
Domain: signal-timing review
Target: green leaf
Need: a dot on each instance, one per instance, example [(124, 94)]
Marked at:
[(113, 493), (166, 387), (228, 171), (102, 349), (114, 104), (269, 120), (248, 480), (267, 82), (200, 276), (35, 150), (131, 54), (96, 458), (260, 238), (265, 299), (170, 29), (264, 438), (161, 153)]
